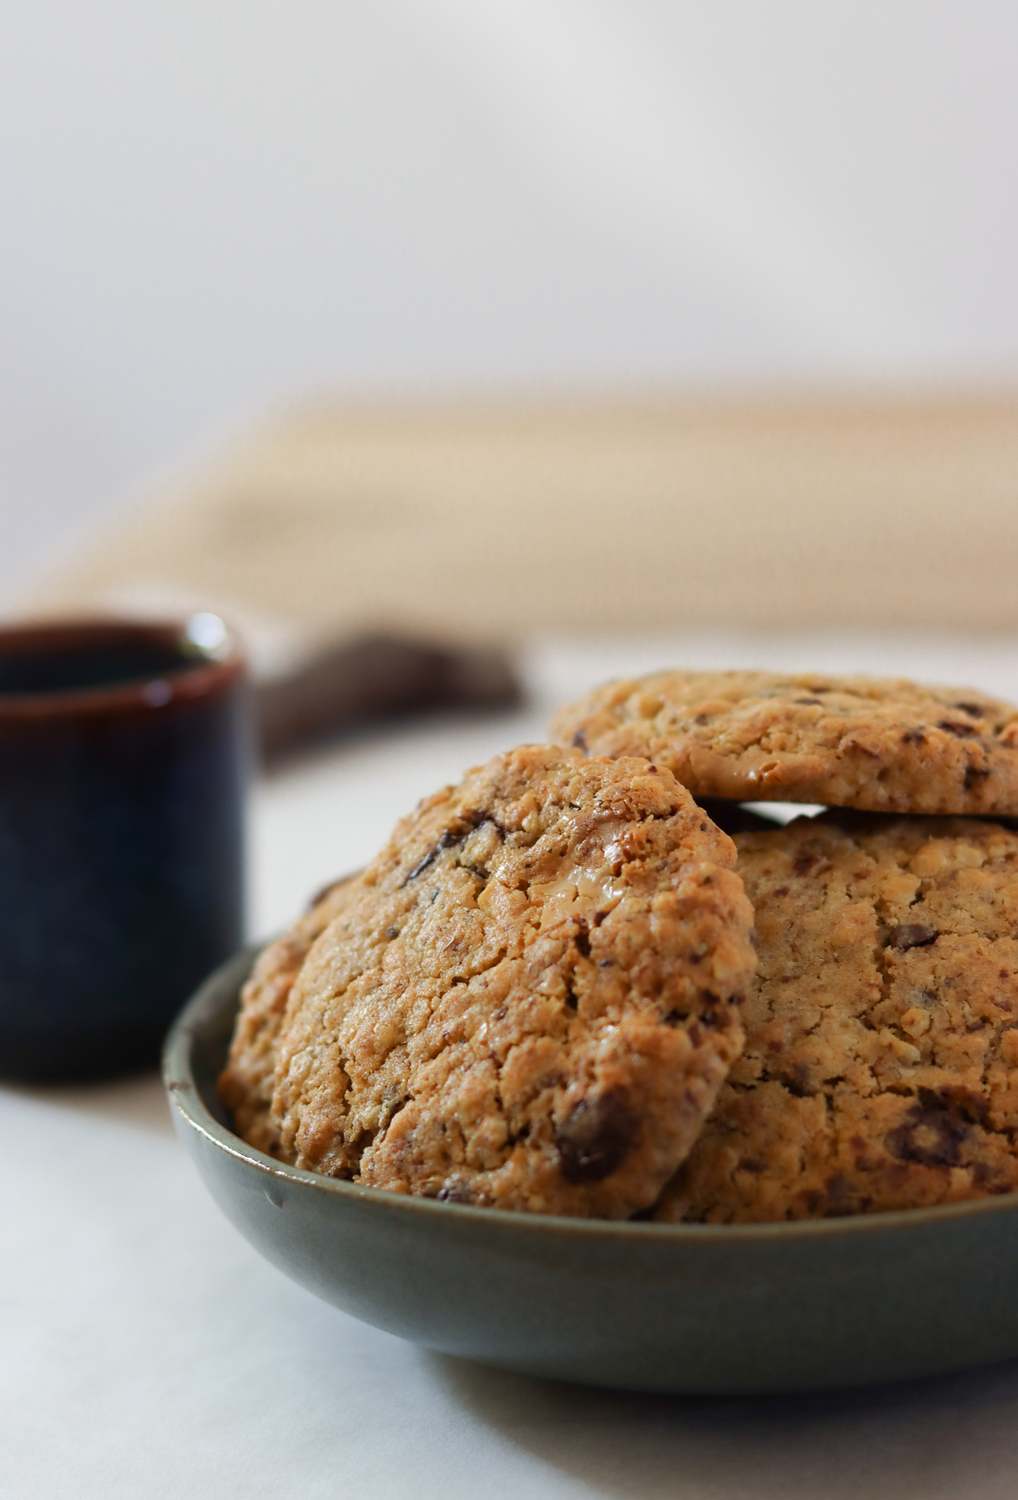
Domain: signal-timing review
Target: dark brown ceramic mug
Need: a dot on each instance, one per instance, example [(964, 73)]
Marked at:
[(123, 767)]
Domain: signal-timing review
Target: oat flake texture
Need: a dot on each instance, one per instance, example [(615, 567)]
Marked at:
[(881, 1062), (863, 742), (530, 999)]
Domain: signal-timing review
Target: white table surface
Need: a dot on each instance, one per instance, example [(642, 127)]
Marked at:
[(147, 1351)]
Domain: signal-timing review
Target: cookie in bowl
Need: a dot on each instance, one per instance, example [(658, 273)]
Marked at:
[(247, 1081), (878, 744), (528, 1000), (880, 1069)]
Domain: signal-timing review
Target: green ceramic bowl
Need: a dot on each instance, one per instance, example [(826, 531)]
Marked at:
[(688, 1308)]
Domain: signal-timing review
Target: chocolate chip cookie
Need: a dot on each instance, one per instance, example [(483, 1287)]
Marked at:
[(247, 1081), (862, 742), (529, 999), (881, 1062)]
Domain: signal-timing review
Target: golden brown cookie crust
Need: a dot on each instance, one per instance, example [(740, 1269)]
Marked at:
[(247, 1081), (881, 1062), (872, 743), (529, 999)]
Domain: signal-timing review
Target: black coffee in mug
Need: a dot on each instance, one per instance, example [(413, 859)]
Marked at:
[(123, 766)]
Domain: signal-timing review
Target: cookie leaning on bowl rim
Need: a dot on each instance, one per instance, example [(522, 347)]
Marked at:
[(529, 999), (248, 1079), (882, 745), (880, 1069)]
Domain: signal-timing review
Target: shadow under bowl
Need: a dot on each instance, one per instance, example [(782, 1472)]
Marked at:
[(683, 1308)]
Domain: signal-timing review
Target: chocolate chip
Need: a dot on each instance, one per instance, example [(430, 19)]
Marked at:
[(811, 701), (962, 731), (392, 932), (454, 1190), (453, 835), (797, 1081), (595, 1137), (929, 1136), (913, 737), (445, 842), (971, 708), (839, 1193), (974, 774), (911, 935), (582, 940), (966, 1104), (579, 740)]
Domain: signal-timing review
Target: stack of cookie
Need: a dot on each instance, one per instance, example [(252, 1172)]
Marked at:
[(543, 993)]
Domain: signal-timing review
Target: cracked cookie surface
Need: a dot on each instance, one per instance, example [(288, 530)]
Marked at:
[(529, 999), (247, 1081), (880, 1068), (878, 744)]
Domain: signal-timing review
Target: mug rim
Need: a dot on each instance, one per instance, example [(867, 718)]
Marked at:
[(212, 668)]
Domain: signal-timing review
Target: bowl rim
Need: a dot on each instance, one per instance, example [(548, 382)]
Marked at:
[(185, 1096)]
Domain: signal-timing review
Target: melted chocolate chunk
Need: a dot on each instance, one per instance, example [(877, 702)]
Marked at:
[(449, 839), (595, 1137), (974, 774), (930, 1136), (911, 935), (579, 740), (971, 708), (797, 1081), (962, 731), (913, 737), (445, 842)]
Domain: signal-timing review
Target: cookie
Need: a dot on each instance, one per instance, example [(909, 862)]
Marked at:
[(861, 742), (880, 1069), (529, 999), (246, 1083)]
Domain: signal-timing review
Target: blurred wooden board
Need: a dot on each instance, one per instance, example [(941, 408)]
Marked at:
[(496, 518)]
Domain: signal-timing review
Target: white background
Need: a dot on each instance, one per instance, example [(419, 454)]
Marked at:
[(211, 208)]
